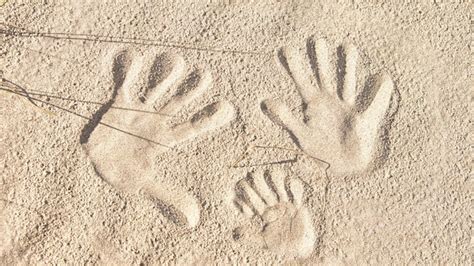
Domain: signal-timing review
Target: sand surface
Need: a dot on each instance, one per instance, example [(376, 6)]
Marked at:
[(236, 132)]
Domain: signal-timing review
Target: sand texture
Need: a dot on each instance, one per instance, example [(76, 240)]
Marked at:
[(236, 132)]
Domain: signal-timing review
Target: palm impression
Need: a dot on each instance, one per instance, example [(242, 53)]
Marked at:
[(136, 124), (277, 201), (335, 129)]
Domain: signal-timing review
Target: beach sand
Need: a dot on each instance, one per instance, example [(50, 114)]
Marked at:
[(236, 132)]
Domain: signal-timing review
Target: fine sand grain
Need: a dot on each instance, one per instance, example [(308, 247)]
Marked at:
[(236, 132)]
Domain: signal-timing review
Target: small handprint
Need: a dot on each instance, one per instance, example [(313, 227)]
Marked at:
[(334, 129), (134, 127), (285, 225)]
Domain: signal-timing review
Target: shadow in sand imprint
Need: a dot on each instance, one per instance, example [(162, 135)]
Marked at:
[(11, 87)]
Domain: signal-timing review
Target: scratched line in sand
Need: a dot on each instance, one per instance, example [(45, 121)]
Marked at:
[(8, 30)]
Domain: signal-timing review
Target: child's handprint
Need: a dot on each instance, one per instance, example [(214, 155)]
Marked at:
[(286, 226)]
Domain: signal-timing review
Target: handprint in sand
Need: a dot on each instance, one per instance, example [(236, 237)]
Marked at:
[(134, 126), (276, 202), (334, 129)]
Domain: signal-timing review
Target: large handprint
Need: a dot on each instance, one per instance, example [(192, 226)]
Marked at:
[(133, 128), (334, 130)]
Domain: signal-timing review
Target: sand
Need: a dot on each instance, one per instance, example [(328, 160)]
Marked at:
[(236, 132)]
